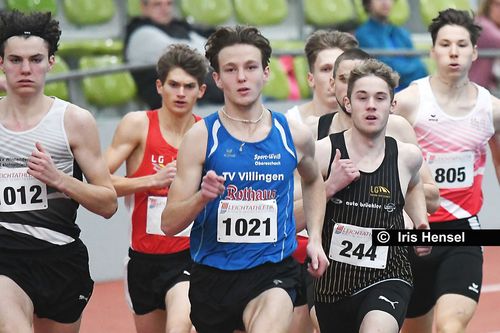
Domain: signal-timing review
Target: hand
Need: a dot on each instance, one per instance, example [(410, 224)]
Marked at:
[(41, 166), (423, 250), (212, 185), (343, 172), (318, 259), (165, 175)]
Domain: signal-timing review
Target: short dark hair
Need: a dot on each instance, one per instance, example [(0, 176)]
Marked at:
[(376, 68), (229, 36), (184, 57), (351, 54), (327, 39), (452, 16), (16, 23)]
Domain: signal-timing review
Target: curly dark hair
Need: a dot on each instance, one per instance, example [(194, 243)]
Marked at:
[(16, 23), (229, 36), (452, 16)]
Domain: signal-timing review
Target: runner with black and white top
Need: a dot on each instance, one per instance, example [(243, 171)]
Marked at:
[(48, 145), (366, 287)]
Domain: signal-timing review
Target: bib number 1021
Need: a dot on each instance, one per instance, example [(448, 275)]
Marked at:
[(251, 228), (247, 221)]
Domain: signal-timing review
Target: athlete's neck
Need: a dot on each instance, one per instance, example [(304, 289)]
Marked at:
[(175, 123), (455, 86), (250, 115), (19, 114), (314, 108), (366, 151), (342, 121)]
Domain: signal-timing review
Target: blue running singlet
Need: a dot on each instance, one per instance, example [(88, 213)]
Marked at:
[(252, 222)]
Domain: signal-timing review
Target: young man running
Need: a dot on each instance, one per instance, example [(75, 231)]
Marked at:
[(366, 288), (454, 120), (235, 179), (159, 266), (48, 145)]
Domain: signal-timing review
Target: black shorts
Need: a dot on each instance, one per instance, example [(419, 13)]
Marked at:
[(150, 276), (446, 270), (57, 280), (306, 296), (218, 297), (346, 315)]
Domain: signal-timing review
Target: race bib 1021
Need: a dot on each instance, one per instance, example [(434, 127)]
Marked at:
[(247, 221)]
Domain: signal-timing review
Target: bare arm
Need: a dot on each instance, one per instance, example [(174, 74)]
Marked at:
[(343, 173), (128, 145), (407, 102), (97, 194), (399, 128), (414, 198), (322, 153), (323, 150), (298, 205), (162, 179), (411, 158), (185, 199), (313, 194)]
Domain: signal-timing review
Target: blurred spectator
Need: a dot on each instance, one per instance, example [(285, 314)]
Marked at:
[(146, 38), (378, 33), (482, 71)]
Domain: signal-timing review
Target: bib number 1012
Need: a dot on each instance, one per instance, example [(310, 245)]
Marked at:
[(12, 195), (18, 198)]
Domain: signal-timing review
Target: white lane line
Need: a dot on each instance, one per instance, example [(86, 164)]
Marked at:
[(490, 288)]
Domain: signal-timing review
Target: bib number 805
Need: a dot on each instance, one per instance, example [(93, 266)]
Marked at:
[(450, 175)]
